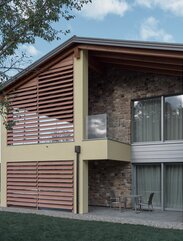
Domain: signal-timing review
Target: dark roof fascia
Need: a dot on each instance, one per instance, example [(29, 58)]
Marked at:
[(94, 41), (130, 44)]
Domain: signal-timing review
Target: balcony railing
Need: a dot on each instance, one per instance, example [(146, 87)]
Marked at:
[(96, 126)]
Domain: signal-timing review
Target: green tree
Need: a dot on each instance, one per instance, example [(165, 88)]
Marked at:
[(21, 22)]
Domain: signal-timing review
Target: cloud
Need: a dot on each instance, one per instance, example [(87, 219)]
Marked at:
[(173, 6), (99, 9), (150, 30), (30, 49)]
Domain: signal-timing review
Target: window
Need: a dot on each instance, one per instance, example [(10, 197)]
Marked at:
[(174, 186), (158, 119), (165, 180), (174, 117), (147, 120), (149, 180)]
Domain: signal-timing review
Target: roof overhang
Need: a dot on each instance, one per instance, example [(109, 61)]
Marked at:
[(161, 56)]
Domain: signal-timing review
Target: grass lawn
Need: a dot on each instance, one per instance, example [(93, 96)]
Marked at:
[(29, 227)]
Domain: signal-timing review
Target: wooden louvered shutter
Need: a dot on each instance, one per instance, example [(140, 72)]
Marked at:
[(41, 184), (55, 185), (55, 91), (43, 108), (22, 184), (24, 111)]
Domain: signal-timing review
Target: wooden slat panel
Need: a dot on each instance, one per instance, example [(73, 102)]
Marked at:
[(43, 129), (25, 195), (21, 176), (21, 204), (16, 98), (58, 132), (39, 102), (22, 93), (68, 103), (51, 180), (40, 184), (68, 109), (21, 188), (41, 90), (57, 202), (55, 167), (52, 93), (61, 194), (62, 67), (49, 97), (56, 79), (53, 185), (55, 100), (55, 163), (22, 192), (56, 189), (20, 102), (41, 140), (51, 133), (56, 74), (58, 206), (52, 197), (30, 172), (20, 199), (47, 171), (22, 184)]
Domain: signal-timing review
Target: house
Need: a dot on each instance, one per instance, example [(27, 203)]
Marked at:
[(95, 116)]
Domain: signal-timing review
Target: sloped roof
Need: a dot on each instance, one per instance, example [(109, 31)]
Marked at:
[(74, 41)]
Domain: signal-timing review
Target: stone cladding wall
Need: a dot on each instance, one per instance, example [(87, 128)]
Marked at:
[(108, 176), (112, 92)]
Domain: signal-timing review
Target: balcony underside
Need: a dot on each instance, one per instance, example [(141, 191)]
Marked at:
[(106, 149)]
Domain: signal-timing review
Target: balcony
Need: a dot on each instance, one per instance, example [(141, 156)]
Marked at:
[(100, 142)]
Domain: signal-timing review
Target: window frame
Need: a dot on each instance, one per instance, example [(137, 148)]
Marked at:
[(162, 131)]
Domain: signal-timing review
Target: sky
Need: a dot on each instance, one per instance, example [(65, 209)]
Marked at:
[(143, 20)]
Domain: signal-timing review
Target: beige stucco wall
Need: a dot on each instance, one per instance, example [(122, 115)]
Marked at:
[(118, 151)]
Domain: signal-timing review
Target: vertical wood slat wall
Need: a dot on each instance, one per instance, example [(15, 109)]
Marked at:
[(43, 107), (40, 184)]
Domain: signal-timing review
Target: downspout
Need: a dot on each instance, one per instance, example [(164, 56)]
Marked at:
[(77, 151)]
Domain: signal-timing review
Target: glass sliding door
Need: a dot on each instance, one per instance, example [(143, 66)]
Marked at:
[(173, 184), (147, 120), (148, 179)]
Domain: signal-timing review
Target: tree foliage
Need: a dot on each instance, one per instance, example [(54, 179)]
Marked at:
[(22, 21)]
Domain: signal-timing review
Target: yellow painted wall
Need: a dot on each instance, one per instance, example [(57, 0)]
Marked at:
[(118, 151)]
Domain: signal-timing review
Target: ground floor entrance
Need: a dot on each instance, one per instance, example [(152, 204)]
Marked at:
[(164, 179)]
